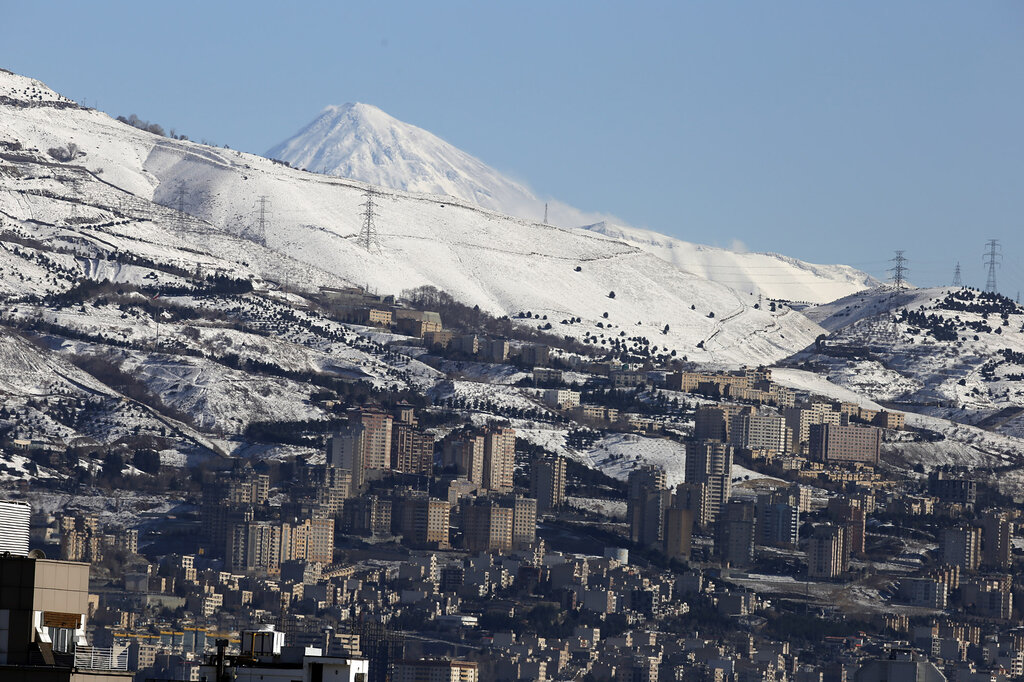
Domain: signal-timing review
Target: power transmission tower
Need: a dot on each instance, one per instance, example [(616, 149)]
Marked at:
[(259, 232), (179, 199), (992, 259), (545, 213), (368, 232), (957, 281), (899, 271)]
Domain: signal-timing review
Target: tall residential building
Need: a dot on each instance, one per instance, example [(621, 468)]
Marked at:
[(367, 515), (752, 431), (362, 446), (487, 526), (778, 520), (412, 450), (465, 453), (376, 437), (711, 423), (710, 463), (825, 552), (256, 546), (996, 532), (696, 497), (836, 443), (424, 521), (800, 419), (646, 505), (499, 458), (345, 452), (524, 522), (81, 539), (311, 540), (849, 513), (248, 489), (404, 413), (678, 532), (961, 547), (735, 533), (547, 482)]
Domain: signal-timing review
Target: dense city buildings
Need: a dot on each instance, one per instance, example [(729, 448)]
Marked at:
[(421, 544)]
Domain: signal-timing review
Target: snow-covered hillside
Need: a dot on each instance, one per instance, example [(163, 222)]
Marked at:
[(361, 142), (759, 274), (952, 353), (505, 265)]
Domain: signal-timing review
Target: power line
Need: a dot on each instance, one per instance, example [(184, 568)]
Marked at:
[(957, 280), (900, 270), (368, 232), (992, 258)]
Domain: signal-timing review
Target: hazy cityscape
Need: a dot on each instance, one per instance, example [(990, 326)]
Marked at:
[(361, 407)]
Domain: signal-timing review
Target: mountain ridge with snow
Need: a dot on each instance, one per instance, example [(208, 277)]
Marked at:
[(589, 286), (362, 142)]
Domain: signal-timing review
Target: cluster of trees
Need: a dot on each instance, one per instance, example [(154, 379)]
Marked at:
[(69, 152), (155, 128), (508, 411), (988, 370), (634, 400), (983, 302), (942, 328)]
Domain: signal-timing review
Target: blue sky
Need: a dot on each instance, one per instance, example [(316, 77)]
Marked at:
[(828, 131)]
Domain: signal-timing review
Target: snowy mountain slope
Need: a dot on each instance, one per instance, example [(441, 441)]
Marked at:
[(47, 398), (760, 274), (361, 142), (843, 312), (478, 256)]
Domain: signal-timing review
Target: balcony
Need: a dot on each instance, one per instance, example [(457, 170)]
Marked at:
[(101, 658)]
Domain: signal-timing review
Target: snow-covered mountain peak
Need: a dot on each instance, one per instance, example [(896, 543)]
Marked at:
[(362, 142)]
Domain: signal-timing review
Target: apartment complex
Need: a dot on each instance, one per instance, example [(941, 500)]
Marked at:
[(435, 670), (837, 443), (262, 546), (486, 458)]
